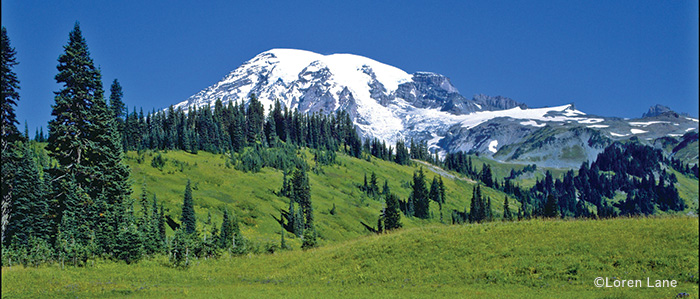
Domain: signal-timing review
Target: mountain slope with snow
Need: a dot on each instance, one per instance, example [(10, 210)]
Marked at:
[(387, 103)]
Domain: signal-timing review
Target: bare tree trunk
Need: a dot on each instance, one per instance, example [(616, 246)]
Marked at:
[(6, 201)]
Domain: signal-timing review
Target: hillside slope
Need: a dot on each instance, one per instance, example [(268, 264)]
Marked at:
[(217, 185), (542, 259)]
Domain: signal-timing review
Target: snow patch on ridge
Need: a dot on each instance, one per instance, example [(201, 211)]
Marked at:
[(532, 123), (590, 120), (647, 123), (493, 146), (618, 135), (547, 114)]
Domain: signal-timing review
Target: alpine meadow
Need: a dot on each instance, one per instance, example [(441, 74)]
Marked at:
[(301, 174)]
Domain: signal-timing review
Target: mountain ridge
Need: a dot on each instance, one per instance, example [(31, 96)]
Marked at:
[(387, 103)]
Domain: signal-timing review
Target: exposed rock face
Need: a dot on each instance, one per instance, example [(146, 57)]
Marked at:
[(497, 102)]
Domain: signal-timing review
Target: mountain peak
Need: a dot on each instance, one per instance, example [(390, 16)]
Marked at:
[(656, 110), (387, 103), (659, 109)]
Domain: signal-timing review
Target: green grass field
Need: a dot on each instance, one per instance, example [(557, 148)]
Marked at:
[(530, 259), (535, 259), (251, 197)]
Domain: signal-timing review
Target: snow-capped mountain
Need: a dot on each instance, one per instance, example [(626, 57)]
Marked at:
[(387, 103)]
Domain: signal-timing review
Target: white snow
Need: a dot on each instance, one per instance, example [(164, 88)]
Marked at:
[(477, 105), (675, 135), (492, 146), (692, 119), (590, 120), (571, 112), (647, 123), (432, 143), (637, 131), (618, 135), (689, 129), (598, 126), (532, 123), (347, 68), (540, 114)]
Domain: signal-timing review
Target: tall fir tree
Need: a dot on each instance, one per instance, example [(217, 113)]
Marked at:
[(118, 108), (77, 121), (187, 219), (83, 139), (419, 195), (70, 130), (9, 134)]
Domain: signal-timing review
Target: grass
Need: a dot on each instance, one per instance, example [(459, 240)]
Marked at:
[(251, 195), (687, 189), (538, 258), (530, 259)]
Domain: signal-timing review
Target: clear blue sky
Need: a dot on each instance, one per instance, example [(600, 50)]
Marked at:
[(611, 58)]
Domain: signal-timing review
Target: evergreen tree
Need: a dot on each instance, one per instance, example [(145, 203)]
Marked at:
[(283, 243), (9, 134), (385, 189), (436, 193), (29, 206), (129, 245), (161, 224), (479, 209), (10, 94), (301, 193), (309, 238), (116, 105), (373, 187), (419, 195), (71, 128), (84, 141), (507, 215), (187, 219), (254, 119), (226, 233), (75, 240), (392, 217), (551, 208), (154, 231), (489, 210), (238, 245), (70, 143)]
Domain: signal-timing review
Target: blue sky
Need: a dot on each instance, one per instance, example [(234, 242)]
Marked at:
[(611, 58)]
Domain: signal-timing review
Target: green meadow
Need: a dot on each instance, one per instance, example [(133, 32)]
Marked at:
[(217, 185), (532, 259), (528, 259)]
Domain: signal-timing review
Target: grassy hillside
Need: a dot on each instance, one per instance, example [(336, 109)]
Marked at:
[(531, 259), (217, 185)]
